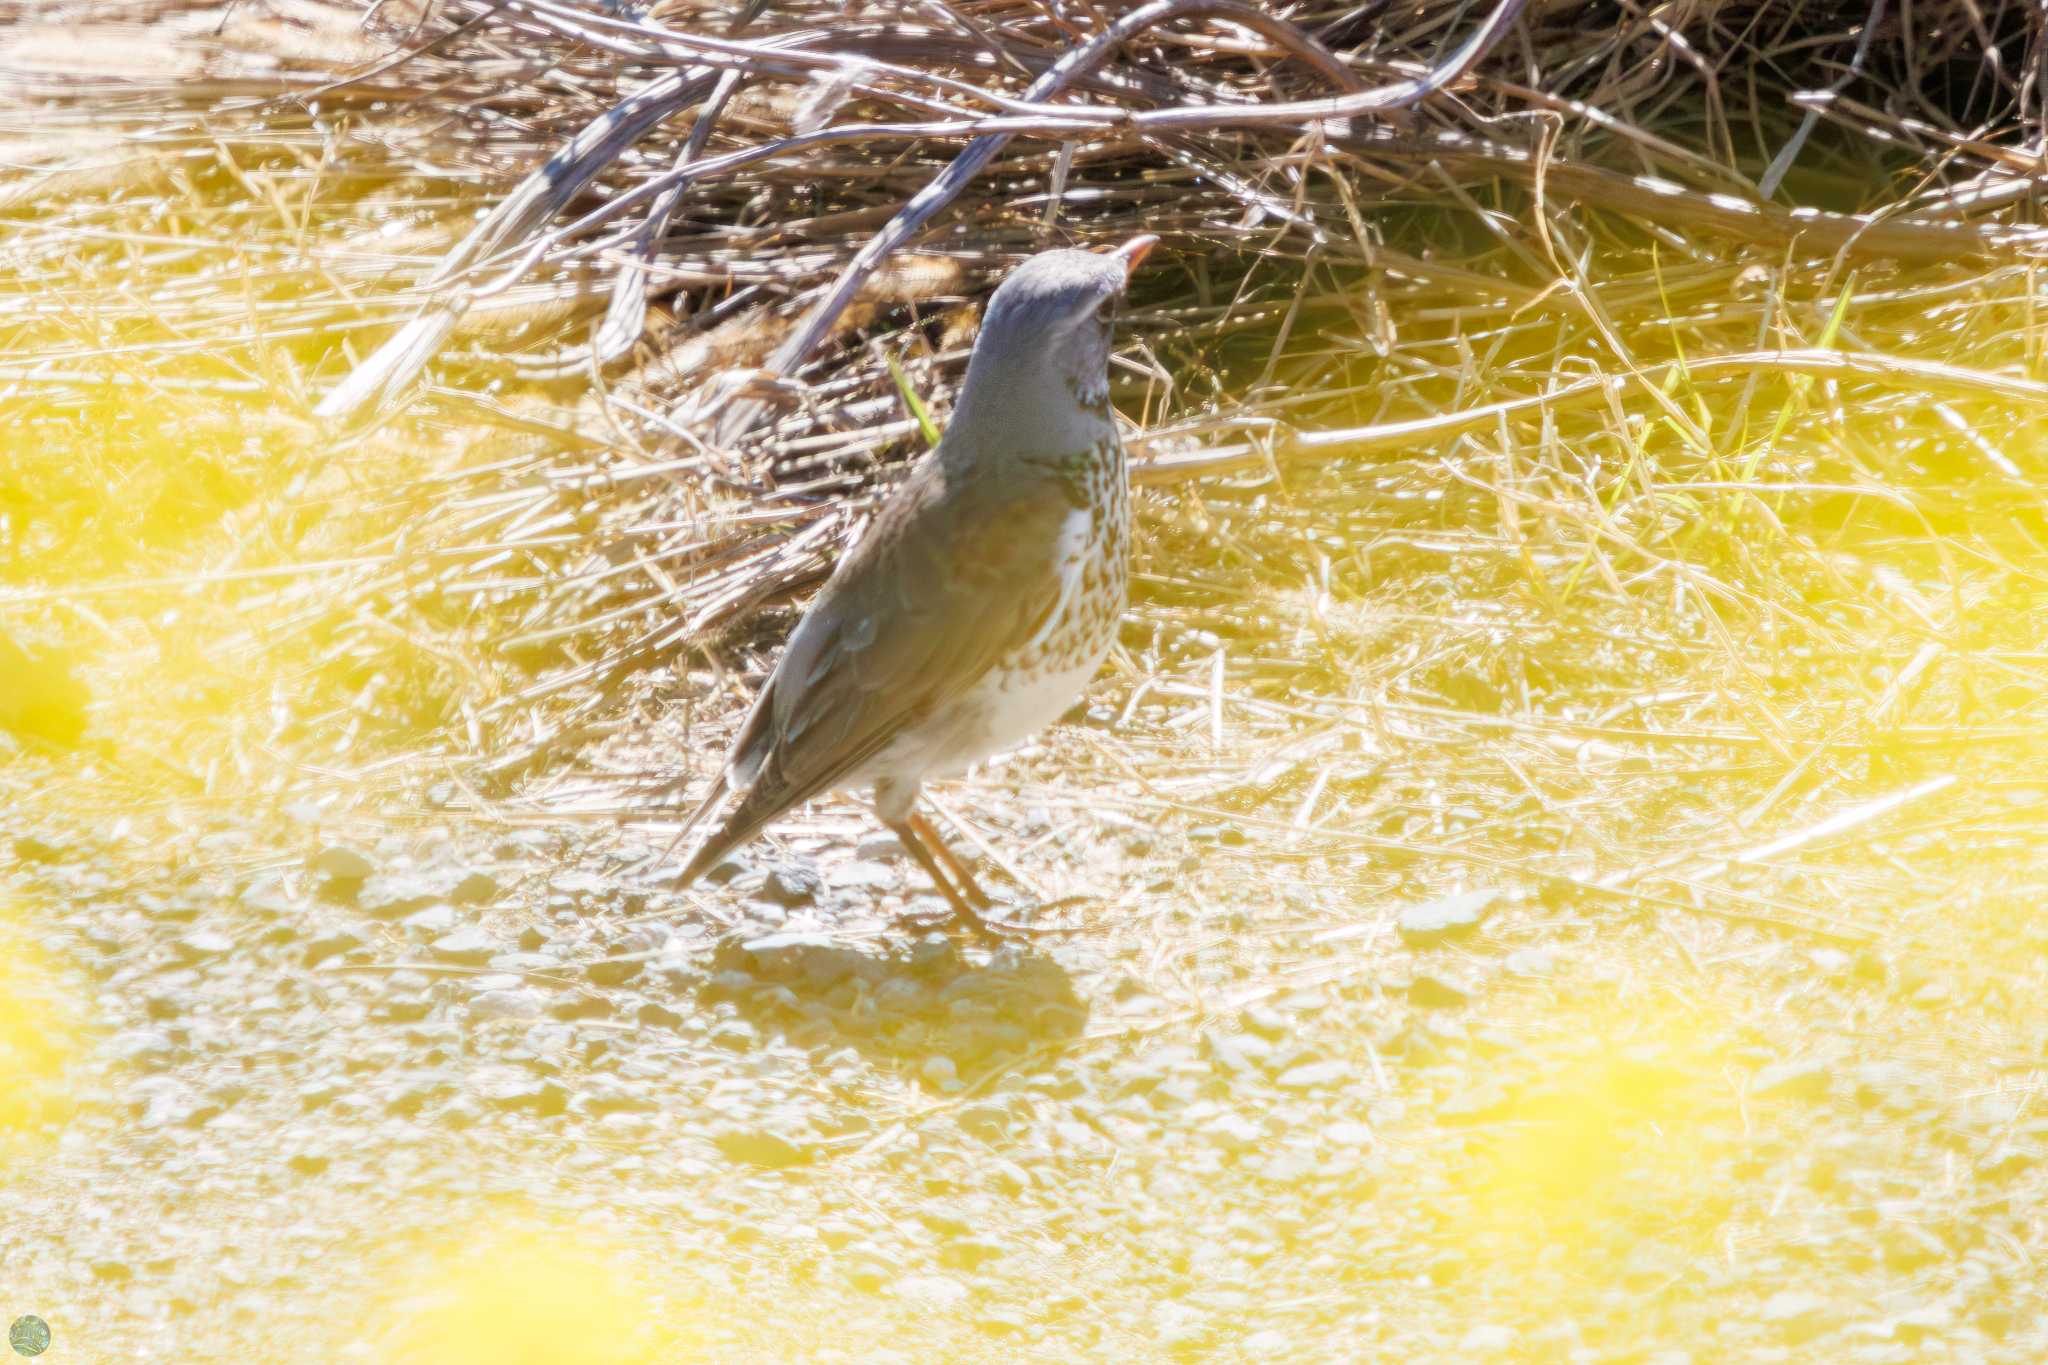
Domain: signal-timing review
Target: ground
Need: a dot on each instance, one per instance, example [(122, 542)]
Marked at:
[(341, 1079)]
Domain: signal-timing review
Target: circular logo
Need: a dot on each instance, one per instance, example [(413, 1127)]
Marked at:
[(30, 1335)]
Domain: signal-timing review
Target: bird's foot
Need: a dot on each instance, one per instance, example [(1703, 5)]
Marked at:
[(993, 928), (924, 919), (1003, 930), (1011, 928)]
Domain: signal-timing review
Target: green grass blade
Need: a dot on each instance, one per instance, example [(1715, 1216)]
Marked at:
[(913, 402)]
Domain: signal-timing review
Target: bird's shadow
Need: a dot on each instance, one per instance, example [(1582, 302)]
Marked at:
[(950, 1015)]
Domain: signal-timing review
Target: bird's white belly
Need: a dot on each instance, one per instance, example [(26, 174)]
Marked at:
[(1012, 709), (1004, 709)]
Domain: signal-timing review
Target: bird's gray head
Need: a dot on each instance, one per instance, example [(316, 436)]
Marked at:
[(1040, 368)]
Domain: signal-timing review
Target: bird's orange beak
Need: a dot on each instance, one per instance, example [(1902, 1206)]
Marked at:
[(1133, 252)]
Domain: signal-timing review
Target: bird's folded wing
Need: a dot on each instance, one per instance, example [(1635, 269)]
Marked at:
[(940, 589)]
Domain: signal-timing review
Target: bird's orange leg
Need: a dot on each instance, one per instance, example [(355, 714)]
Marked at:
[(906, 831), (970, 902), (954, 863)]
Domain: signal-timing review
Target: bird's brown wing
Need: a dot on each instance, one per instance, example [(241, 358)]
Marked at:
[(942, 586)]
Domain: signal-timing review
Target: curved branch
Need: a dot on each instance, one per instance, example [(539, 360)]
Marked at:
[(626, 314), (942, 190), (541, 194)]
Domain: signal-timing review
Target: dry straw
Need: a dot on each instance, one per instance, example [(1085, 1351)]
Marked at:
[(1554, 413)]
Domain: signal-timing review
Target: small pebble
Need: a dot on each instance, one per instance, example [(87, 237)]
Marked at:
[(1433, 992), (940, 1073), (861, 875), (1486, 1339), (614, 971), (1801, 1078), (934, 1291), (1312, 1075), (466, 947), (759, 1147), (1797, 1315), (791, 887), (474, 888), (518, 1003), (326, 946), (435, 919), (735, 1035), (1233, 1132), (339, 864), (205, 944), (1445, 918)]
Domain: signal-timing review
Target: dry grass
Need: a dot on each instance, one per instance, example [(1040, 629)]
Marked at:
[(1511, 455)]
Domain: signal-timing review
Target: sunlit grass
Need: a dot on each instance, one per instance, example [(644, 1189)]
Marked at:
[(207, 585)]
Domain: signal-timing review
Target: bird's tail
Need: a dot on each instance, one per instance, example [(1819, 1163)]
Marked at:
[(757, 805), (694, 868)]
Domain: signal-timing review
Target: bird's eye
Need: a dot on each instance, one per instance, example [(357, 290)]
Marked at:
[(1105, 312)]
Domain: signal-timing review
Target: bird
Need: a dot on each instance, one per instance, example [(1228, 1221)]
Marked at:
[(980, 600)]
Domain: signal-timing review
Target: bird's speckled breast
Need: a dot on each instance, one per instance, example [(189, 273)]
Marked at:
[(1029, 688)]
